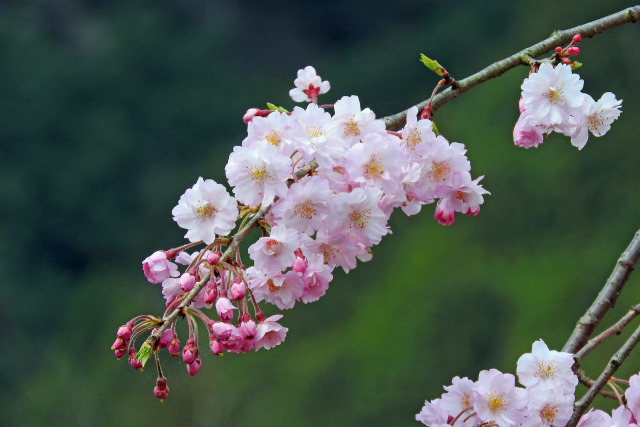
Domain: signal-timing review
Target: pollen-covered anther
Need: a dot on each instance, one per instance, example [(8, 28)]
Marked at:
[(314, 131), (440, 171), (413, 139), (374, 169), (351, 128), (306, 210), (259, 174), (546, 370), (554, 96), (206, 211), (595, 120), (273, 138), (359, 219), (497, 403), (549, 413)]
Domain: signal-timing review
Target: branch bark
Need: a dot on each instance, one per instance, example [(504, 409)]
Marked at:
[(631, 14), (616, 329), (607, 297)]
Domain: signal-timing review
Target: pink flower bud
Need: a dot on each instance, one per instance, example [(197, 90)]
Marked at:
[(174, 348), (238, 291), (576, 39), (187, 281), (558, 49), (166, 339), (225, 308), (248, 329), (118, 343), (194, 367), (157, 267), (444, 214), (216, 347), (189, 351), (161, 391), (213, 258), (210, 294), (119, 352), (124, 332), (221, 331), (249, 115), (135, 364), (473, 213), (299, 265), (574, 50)]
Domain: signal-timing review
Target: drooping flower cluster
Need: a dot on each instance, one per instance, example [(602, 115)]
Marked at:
[(326, 186), (545, 401), (552, 101)]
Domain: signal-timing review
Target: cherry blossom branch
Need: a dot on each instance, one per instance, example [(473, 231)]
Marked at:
[(585, 380), (631, 14), (228, 253), (614, 363), (607, 297), (616, 329)]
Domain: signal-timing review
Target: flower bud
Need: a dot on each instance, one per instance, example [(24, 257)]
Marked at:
[(187, 281), (119, 352), (118, 343), (238, 291), (248, 329), (299, 265), (161, 391), (249, 115), (216, 347), (225, 308), (210, 294), (189, 351), (574, 50), (558, 49), (174, 348), (194, 367), (221, 331), (166, 339), (213, 258), (576, 39), (124, 332), (135, 364)]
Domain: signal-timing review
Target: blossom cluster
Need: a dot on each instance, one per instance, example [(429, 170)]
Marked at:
[(329, 183), (552, 101), (545, 400)]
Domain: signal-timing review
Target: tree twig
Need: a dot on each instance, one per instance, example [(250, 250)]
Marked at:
[(631, 14), (616, 329), (607, 297), (609, 370), (585, 380)]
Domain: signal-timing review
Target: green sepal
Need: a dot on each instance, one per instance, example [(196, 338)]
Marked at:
[(435, 129), (273, 107), (433, 65), (144, 353), (575, 65)]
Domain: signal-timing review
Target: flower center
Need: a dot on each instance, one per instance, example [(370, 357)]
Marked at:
[(206, 211), (259, 174), (497, 403), (595, 120), (273, 138), (549, 412), (546, 370), (314, 131), (554, 96), (440, 171), (359, 219), (413, 139), (374, 169), (351, 128), (305, 209)]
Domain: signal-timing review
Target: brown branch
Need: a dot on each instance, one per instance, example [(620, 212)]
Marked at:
[(616, 329), (607, 297), (631, 14), (585, 380), (609, 370)]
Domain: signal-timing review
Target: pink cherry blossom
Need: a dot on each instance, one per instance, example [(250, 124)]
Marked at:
[(354, 122), (275, 253), (361, 217), (269, 333), (632, 395), (157, 267), (308, 86), (496, 398), (258, 173), (417, 135), (546, 366), (205, 210), (597, 118)]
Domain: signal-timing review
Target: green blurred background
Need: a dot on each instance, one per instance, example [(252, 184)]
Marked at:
[(109, 110)]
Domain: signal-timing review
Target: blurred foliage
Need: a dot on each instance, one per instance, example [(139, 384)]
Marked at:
[(109, 110)]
